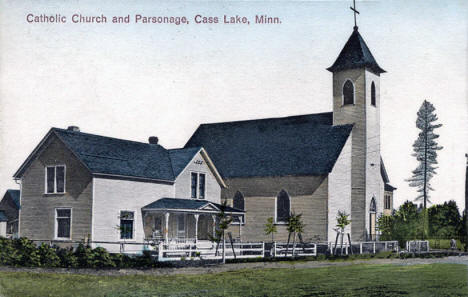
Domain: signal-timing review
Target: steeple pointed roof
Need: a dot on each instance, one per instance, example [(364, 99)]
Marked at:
[(355, 54)]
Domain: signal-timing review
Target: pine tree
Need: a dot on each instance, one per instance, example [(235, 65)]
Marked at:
[(425, 150)]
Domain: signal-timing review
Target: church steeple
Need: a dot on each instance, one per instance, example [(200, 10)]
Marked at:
[(356, 101), (355, 54)]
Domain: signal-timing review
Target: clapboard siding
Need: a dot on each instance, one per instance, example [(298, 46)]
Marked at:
[(308, 194), (37, 216)]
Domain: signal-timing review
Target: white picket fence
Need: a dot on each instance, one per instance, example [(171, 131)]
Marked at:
[(417, 246), (281, 249), (365, 247), (238, 250)]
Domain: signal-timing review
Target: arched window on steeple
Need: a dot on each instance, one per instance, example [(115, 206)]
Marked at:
[(373, 102), (283, 207), (348, 93)]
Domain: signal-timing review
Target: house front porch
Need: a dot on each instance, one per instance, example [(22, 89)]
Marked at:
[(175, 220)]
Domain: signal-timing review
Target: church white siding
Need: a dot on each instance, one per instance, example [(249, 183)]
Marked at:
[(339, 189), (110, 196), (373, 175), (183, 182)]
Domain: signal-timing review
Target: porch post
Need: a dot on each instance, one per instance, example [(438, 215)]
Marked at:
[(240, 228), (166, 231), (214, 225), (196, 227)]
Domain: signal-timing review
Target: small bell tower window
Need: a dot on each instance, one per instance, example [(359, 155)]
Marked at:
[(348, 93), (373, 102)]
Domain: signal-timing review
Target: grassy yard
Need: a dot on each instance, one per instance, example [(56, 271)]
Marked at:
[(355, 280), (444, 244)]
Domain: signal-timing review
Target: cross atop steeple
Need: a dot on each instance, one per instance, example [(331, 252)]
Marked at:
[(355, 11)]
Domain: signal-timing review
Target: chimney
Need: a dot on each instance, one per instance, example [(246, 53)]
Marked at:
[(73, 128), (153, 140)]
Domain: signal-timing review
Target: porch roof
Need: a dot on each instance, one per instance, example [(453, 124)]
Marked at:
[(194, 205)]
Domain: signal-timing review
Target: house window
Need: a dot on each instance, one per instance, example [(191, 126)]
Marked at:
[(239, 203), (55, 179), (198, 185), (63, 223), (283, 207), (373, 103), (348, 93), (126, 224), (201, 186), (387, 202)]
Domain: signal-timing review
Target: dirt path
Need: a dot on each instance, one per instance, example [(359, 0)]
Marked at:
[(239, 266)]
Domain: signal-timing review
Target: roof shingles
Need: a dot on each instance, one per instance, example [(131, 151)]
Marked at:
[(355, 54), (297, 145)]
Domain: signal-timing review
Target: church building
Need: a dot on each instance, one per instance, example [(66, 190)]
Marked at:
[(78, 186), (313, 164)]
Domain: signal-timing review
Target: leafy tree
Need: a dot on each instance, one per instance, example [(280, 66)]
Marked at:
[(342, 220), (444, 220), (270, 228), (294, 226), (224, 220), (404, 224), (425, 150)]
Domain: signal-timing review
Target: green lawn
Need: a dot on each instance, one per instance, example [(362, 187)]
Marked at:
[(443, 244), (354, 280)]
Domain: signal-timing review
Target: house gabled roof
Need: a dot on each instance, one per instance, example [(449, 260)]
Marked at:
[(355, 54), (188, 204), (181, 157), (103, 155), (296, 145), (15, 196), (386, 180)]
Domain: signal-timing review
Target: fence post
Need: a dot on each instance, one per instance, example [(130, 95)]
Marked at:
[(360, 248), (160, 251), (374, 247), (263, 249), (385, 249), (274, 249)]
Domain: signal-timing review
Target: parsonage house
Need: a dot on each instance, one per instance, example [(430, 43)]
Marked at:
[(79, 186)]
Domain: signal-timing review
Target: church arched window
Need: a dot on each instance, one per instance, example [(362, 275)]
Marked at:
[(283, 206), (238, 201), (348, 93), (372, 220), (372, 207), (373, 102)]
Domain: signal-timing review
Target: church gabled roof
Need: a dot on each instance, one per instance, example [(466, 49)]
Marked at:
[(355, 54), (296, 145)]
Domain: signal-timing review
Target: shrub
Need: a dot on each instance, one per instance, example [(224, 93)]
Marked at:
[(8, 253), (67, 258), (101, 258), (121, 260), (84, 255), (48, 256), (144, 260), (27, 253)]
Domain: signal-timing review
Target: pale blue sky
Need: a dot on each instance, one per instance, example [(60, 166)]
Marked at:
[(136, 80)]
